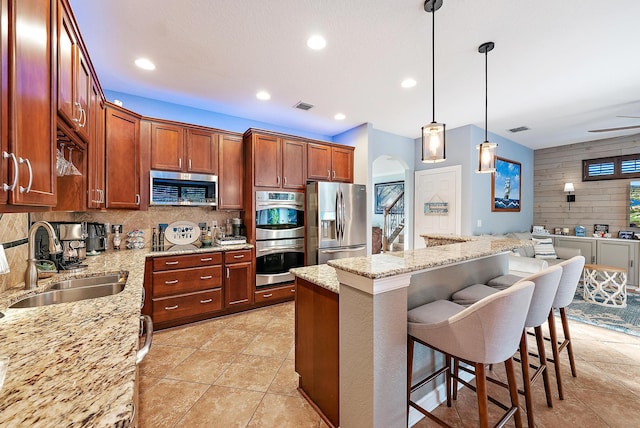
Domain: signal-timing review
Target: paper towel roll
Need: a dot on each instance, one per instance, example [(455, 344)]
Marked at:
[(4, 264)]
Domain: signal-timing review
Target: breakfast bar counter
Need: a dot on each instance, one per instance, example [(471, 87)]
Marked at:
[(375, 293)]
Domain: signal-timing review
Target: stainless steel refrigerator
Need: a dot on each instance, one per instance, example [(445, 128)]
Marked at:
[(336, 221)]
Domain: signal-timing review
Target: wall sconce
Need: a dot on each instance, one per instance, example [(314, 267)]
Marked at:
[(568, 188)]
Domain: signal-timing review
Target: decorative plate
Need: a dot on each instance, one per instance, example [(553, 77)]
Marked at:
[(182, 232)]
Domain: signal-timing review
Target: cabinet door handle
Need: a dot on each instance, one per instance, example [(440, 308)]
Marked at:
[(28, 188), (180, 163), (170, 308), (285, 181), (278, 180), (83, 118), (101, 193), (293, 290), (207, 259), (173, 281), (267, 295), (137, 198), (329, 174), (189, 164), (227, 273), (5, 186), (206, 277), (206, 301), (171, 263), (77, 119), (334, 173), (239, 257)]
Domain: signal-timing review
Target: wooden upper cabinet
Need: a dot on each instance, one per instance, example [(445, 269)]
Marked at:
[(96, 153), (330, 163), (202, 151), (167, 147), (279, 162), (342, 164), (294, 161), (122, 143), (268, 161), (231, 175), (318, 162), (31, 85), (74, 76)]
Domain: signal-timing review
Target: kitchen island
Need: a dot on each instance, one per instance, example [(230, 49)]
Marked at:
[(375, 293), (74, 364)]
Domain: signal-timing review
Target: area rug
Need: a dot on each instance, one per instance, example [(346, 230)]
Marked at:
[(626, 320)]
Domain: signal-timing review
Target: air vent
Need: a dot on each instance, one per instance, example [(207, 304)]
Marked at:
[(519, 129), (303, 106)]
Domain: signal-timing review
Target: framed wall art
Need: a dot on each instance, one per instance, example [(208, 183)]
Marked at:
[(386, 193), (506, 186)]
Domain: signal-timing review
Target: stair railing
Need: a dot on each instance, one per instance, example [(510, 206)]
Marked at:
[(393, 221)]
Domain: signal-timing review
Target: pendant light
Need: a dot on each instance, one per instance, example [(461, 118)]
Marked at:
[(433, 136), (486, 151)]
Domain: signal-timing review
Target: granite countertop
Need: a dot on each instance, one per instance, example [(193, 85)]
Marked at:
[(396, 263), (74, 364), (321, 275)]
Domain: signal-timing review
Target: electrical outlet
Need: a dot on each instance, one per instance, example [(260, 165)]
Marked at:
[(479, 223)]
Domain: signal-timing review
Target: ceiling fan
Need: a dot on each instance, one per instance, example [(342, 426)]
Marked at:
[(619, 128)]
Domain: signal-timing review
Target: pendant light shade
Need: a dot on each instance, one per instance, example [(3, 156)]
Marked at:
[(487, 151), (433, 134)]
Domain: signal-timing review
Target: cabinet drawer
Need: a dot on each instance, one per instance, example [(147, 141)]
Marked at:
[(182, 281), (185, 261), (237, 256), (275, 293), (171, 308)]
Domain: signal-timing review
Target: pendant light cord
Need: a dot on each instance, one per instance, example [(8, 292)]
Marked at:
[(433, 62), (486, 94)]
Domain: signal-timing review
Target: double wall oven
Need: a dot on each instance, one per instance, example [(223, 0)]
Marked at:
[(279, 236)]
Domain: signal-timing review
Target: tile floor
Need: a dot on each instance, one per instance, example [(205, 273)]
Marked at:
[(238, 371)]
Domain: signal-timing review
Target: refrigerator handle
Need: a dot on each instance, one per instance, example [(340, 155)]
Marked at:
[(342, 211), (337, 222)]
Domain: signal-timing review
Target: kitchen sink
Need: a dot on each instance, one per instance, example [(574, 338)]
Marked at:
[(67, 295), (88, 281)]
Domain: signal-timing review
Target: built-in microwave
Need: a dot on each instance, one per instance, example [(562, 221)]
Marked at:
[(179, 188)]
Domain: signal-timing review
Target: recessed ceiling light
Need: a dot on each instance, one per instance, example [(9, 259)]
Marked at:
[(145, 64), (339, 116), (263, 95), (316, 42), (408, 83)]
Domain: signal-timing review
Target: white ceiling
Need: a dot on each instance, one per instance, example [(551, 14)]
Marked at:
[(560, 68)]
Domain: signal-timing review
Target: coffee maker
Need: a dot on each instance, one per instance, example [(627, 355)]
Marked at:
[(72, 238), (96, 238)]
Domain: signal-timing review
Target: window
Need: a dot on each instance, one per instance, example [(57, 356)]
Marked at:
[(611, 168)]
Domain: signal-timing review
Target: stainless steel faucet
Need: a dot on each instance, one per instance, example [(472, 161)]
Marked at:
[(31, 275)]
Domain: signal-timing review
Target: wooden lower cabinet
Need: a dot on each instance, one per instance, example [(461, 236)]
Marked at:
[(186, 305), (317, 348), (238, 284), (183, 288), (273, 294)]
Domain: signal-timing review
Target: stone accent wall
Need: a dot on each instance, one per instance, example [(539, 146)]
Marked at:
[(605, 201)]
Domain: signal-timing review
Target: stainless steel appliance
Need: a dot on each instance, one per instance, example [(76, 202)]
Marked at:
[(336, 221), (279, 236), (96, 238), (72, 237), (279, 215), (178, 188)]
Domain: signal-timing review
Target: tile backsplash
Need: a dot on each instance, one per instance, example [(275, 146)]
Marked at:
[(14, 228)]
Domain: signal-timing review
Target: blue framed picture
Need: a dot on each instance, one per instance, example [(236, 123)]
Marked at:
[(506, 186), (386, 193)]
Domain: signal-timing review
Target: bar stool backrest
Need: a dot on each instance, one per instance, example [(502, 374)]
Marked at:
[(546, 286), (486, 332), (571, 273)]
